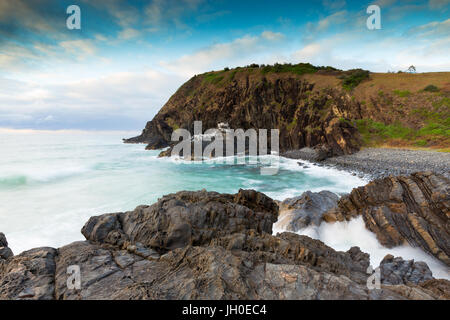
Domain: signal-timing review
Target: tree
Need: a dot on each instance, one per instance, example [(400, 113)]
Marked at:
[(411, 69)]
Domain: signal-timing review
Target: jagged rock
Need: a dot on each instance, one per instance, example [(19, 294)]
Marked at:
[(316, 154), (305, 117), (398, 271), (299, 212), (198, 245), (5, 251), (413, 209), (439, 287), (29, 275), (185, 218), (3, 242)]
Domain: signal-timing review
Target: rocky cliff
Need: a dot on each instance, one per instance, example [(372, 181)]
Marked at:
[(327, 109), (306, 114), (206, 245)]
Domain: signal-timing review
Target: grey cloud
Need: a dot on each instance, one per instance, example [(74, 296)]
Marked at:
[(90, 104)]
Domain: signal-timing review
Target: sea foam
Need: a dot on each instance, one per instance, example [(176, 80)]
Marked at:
[(342, 236)]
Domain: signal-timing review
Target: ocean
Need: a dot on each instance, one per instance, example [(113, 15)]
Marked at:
[(52, 182)]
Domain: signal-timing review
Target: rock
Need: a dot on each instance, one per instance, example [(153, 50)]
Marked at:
[(5, 251), (309, 154), (411, 209), (185, 218), (399, 271), (3, 242), (299, 212), (29, 275), (439, 287), (305, 117), (198, 245)]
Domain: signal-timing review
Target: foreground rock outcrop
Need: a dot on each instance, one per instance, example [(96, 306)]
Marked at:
[(205, 245), (411, 209)]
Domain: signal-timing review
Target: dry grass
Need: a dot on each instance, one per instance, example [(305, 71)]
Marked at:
[(401, 144)]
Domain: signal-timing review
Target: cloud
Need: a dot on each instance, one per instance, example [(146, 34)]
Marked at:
[(239, 51), (356, 50), (162, 13), (124, 14), (324, 24), (19, 15), (207, 17), (308, 52), (78, 48), (334, 5), (129, 33), (15, 57), (438, 4), (431, 30), (272, 36), (87, 104)]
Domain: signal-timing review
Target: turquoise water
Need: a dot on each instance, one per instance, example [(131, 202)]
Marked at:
[(52, 182)]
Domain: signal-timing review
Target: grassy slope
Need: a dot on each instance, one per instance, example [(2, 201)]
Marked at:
[(396, 111), (403, 114)]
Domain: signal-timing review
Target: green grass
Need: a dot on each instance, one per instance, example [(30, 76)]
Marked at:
[(402, 94), (352, 78), (436, 129), (300, 68), (213, 77), (431, 88)]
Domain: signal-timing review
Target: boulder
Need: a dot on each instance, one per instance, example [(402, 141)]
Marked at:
[(185, 218), (299, 212), (5, 251), (398, 271)]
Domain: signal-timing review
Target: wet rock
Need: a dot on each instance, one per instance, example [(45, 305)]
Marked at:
[(398, 271), (199, 245), (3, 242), (29, 275), (185, 218), (302, 211), (5, 251), (411, 209)]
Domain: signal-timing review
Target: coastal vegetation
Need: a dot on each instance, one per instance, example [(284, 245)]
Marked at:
[(316, 104)]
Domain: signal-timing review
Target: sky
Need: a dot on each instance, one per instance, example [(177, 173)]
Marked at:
[(129, 57)]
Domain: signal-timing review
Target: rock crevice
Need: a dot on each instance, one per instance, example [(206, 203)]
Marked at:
[(206, 245)]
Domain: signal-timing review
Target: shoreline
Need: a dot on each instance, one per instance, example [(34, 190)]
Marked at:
[(375, 163), (378, 163)]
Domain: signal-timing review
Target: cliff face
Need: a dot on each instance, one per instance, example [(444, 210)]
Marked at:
[(312, 107), (306, 115)]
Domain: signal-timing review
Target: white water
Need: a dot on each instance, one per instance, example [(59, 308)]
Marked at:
[(52, 182), (342, 236)]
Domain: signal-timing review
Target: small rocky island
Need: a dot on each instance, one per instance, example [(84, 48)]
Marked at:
[(206, 245)]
